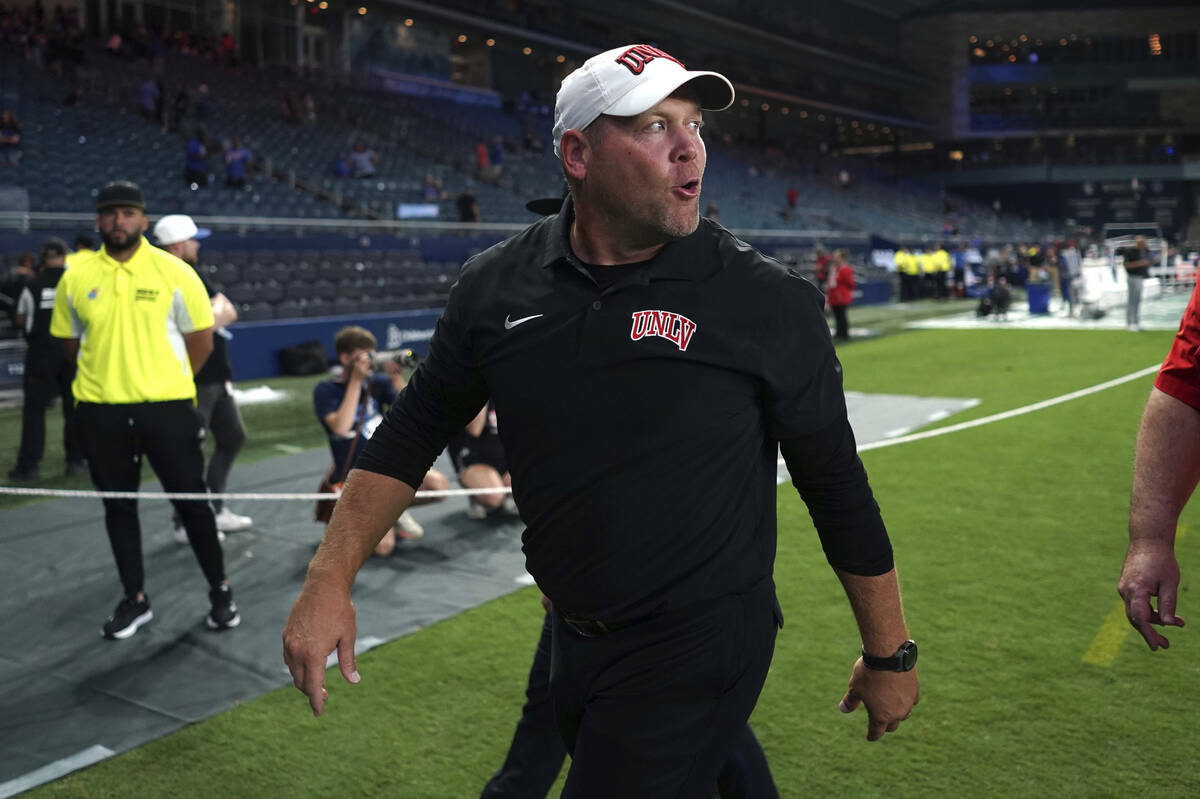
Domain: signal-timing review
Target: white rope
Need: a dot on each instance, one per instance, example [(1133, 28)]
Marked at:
[(65, 492), (469, 492)]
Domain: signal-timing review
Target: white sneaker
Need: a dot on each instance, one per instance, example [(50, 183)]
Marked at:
[(181, 535), (409, 528), (230, 522), (476, 510), (510, 507)]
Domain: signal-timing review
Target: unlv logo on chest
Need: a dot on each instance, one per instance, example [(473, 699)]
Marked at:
[(674, 327), (637, 57)]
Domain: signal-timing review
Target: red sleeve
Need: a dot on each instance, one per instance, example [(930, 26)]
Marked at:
[(1180, 372)]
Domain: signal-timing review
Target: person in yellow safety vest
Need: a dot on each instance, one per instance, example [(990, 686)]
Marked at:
[(928, 269), (910, 273), (941, 265)]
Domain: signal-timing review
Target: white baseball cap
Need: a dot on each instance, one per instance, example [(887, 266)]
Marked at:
[(626, 81), (175, 228)]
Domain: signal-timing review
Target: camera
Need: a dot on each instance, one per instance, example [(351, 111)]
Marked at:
[(405, 358)]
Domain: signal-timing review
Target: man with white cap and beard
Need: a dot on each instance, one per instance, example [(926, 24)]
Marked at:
[(646, 366), (178, 235)]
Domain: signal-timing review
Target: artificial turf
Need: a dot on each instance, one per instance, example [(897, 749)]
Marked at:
[(1008, 538)]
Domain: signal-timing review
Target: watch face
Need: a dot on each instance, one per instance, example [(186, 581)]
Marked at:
[(908, 655)]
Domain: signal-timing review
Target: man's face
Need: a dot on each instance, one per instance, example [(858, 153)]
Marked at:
[(121, 228), (349, 359), (645, 171), (188, 251)]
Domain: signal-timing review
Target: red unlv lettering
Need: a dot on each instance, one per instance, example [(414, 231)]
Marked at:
[(674, 327), (637, 57)]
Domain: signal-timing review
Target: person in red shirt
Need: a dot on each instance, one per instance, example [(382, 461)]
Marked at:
[(1166, 469), (841, 294)]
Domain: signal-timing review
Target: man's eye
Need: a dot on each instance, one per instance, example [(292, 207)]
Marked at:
[(658, 125)]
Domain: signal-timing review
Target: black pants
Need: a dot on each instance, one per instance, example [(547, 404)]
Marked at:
[(536, 753), (655, 710), (842, 322), (220, 415), (47, 375), (169, 434)]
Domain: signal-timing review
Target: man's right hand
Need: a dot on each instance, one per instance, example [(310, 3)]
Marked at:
[(1150, 571), (362, 366), (322, 619)]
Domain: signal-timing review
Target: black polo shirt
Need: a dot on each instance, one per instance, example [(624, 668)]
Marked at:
[(641, 421)]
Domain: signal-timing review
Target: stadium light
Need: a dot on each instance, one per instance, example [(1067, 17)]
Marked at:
[(408, 23), (560, 58), (490, 42), (804, 115), (323, 5), (785, 110), (527, 50), (362, 10), (462, 38), (765, 106)]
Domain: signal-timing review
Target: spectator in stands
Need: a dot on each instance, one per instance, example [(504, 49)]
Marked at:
[(114, 45), (792, 196), (1137, 269), (10, 139), (237, 162), (84, 246), (137, 351), (178, 235), (482, 161), (341, 166), (843, 178), (431, 189), (496, 156), (75, 98), (203, 108), (363, 161), (309, 106), (195, 165), (148, 96), (348, 407), (468, 206), (179, 107), (48, 373), (478, 457), (228, 49), (841, 294)]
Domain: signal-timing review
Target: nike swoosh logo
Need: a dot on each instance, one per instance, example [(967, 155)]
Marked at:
[(509, 324)]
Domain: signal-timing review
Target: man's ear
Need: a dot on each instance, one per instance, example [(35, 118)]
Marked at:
[(576, 153)]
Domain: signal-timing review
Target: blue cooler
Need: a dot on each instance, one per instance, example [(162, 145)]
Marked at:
[(1039, 297)]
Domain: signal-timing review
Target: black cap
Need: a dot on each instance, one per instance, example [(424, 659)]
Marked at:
[(54, 246), (120, 193)]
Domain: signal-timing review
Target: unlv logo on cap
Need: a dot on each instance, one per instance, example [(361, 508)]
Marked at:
[(674, 327), (637, 57)]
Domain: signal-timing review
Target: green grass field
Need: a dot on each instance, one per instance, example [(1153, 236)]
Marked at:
[(1008, 537)]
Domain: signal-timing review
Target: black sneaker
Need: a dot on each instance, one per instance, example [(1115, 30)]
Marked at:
[(128, 616), (224, 613), (19, 474)]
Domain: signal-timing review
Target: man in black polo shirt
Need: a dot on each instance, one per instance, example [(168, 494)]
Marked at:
[(178, 235), (48, 371), (646, 365)]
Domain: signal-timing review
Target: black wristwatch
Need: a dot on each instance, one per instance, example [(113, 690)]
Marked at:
[(904, 659)]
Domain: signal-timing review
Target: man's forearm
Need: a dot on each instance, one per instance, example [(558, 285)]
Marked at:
[(1166, 468), (369, 505), (876, 604)]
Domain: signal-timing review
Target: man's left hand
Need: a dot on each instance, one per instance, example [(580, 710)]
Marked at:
[(889, 696)]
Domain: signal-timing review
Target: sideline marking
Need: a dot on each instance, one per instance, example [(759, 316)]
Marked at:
[(1115, 629), (290, 449), (997, 417), (52, 771), (463, 492)]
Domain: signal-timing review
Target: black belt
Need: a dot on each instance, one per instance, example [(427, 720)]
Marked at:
[(594, 628)]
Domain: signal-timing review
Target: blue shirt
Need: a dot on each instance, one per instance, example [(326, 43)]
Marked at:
[(196, 156), (235, 163), (327, 398)]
